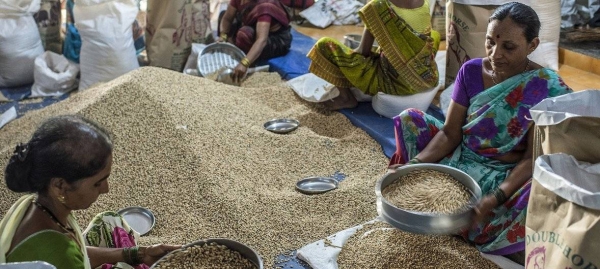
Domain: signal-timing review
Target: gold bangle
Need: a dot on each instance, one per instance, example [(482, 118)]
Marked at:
[(223, 36), (245, 62)]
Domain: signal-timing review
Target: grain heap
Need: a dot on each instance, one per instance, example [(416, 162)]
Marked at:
[(205, 256), (386, 247), (196, 153), (428, 191)]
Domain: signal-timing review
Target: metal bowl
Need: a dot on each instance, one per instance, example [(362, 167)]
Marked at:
[(353, 41), (281, 126), (246, 251), (217, 57), (422, 222)]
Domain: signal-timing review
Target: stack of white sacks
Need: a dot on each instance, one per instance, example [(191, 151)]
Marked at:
[(107, 49)]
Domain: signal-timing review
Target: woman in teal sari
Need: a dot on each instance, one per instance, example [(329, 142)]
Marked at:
[(65, 167), (488, 130)]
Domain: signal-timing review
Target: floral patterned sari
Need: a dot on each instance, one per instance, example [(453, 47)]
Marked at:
[(497, 121)]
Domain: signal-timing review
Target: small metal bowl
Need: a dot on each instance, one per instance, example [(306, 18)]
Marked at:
[(421, 222), (140, 219), (246, 251), (314, 185), (281, 126)]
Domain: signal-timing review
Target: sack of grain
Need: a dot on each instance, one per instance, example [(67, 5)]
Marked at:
[(172, 27), (107, 49), (466, 26), (20, 41), (563, 216), (48, 20), (564, 127)]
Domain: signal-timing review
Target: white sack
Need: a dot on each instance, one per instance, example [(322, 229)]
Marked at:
[(107, 49), (577, 182), (20, 41), (326, 12), (312, 88), (54, 75)]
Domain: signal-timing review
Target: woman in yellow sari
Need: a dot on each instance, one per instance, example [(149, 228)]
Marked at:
[(404, 64)]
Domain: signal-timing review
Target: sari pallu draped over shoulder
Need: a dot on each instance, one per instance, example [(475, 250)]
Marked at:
[(405, 64), (498, 120), (252, 10)]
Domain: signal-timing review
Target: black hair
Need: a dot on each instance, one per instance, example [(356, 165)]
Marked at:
[(69, 147), (522, 15)]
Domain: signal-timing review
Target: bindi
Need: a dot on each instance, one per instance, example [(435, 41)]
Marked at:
[(497, 36)]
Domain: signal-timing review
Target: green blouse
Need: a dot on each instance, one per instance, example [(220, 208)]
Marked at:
[(50, 246)]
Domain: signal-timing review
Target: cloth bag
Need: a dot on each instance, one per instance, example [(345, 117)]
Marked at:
[(563, 215), (53, 75), (48, 20), (466, 26), (564, 125), (20, 41), (107, 49), (172, 26)]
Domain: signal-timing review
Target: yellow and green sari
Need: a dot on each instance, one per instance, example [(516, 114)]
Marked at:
[(405, 64)]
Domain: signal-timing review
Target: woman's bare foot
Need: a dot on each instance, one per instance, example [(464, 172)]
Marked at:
[(345, 100)]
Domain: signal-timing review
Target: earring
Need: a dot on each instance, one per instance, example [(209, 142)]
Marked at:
[(62, 199)]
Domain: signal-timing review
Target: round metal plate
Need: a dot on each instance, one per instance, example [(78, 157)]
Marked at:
[(217, 57), (313, 185), (281, 126), (140, 219)]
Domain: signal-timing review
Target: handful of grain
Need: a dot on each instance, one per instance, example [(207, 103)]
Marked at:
[(206, 256), (427, 191)]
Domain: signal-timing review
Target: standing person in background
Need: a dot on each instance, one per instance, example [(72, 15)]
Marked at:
[(260, 28), (66, 165), (488, 131), (405, 64)]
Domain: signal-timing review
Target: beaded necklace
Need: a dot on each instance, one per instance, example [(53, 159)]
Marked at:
[(494, 72), (53, 217)]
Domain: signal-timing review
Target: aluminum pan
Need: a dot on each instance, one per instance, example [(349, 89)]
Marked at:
[(426, 223), (218, 56)]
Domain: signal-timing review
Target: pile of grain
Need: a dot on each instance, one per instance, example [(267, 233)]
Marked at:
[(196, 153), (385, 247), (205, 256), (428, 191)]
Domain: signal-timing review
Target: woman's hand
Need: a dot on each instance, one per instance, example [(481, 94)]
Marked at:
[(483, 209), (239, 73), (153, 253)]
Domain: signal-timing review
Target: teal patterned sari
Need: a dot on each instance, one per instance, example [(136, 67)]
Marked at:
[(497, 121)]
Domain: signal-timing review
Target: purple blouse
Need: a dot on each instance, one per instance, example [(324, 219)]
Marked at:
[(469, 82)]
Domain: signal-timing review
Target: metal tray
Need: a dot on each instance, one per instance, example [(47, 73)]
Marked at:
[(246, 251), (421, 222), (314, 185), (281, 126), (140, 219), (217, 57)]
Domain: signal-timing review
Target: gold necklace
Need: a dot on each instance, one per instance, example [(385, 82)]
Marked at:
[(494, 72), (53, 217)]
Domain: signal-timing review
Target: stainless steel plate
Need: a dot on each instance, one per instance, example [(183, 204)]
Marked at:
[(281, 126), (314, 185), (217, 57), (140, 219), (246, 251)]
